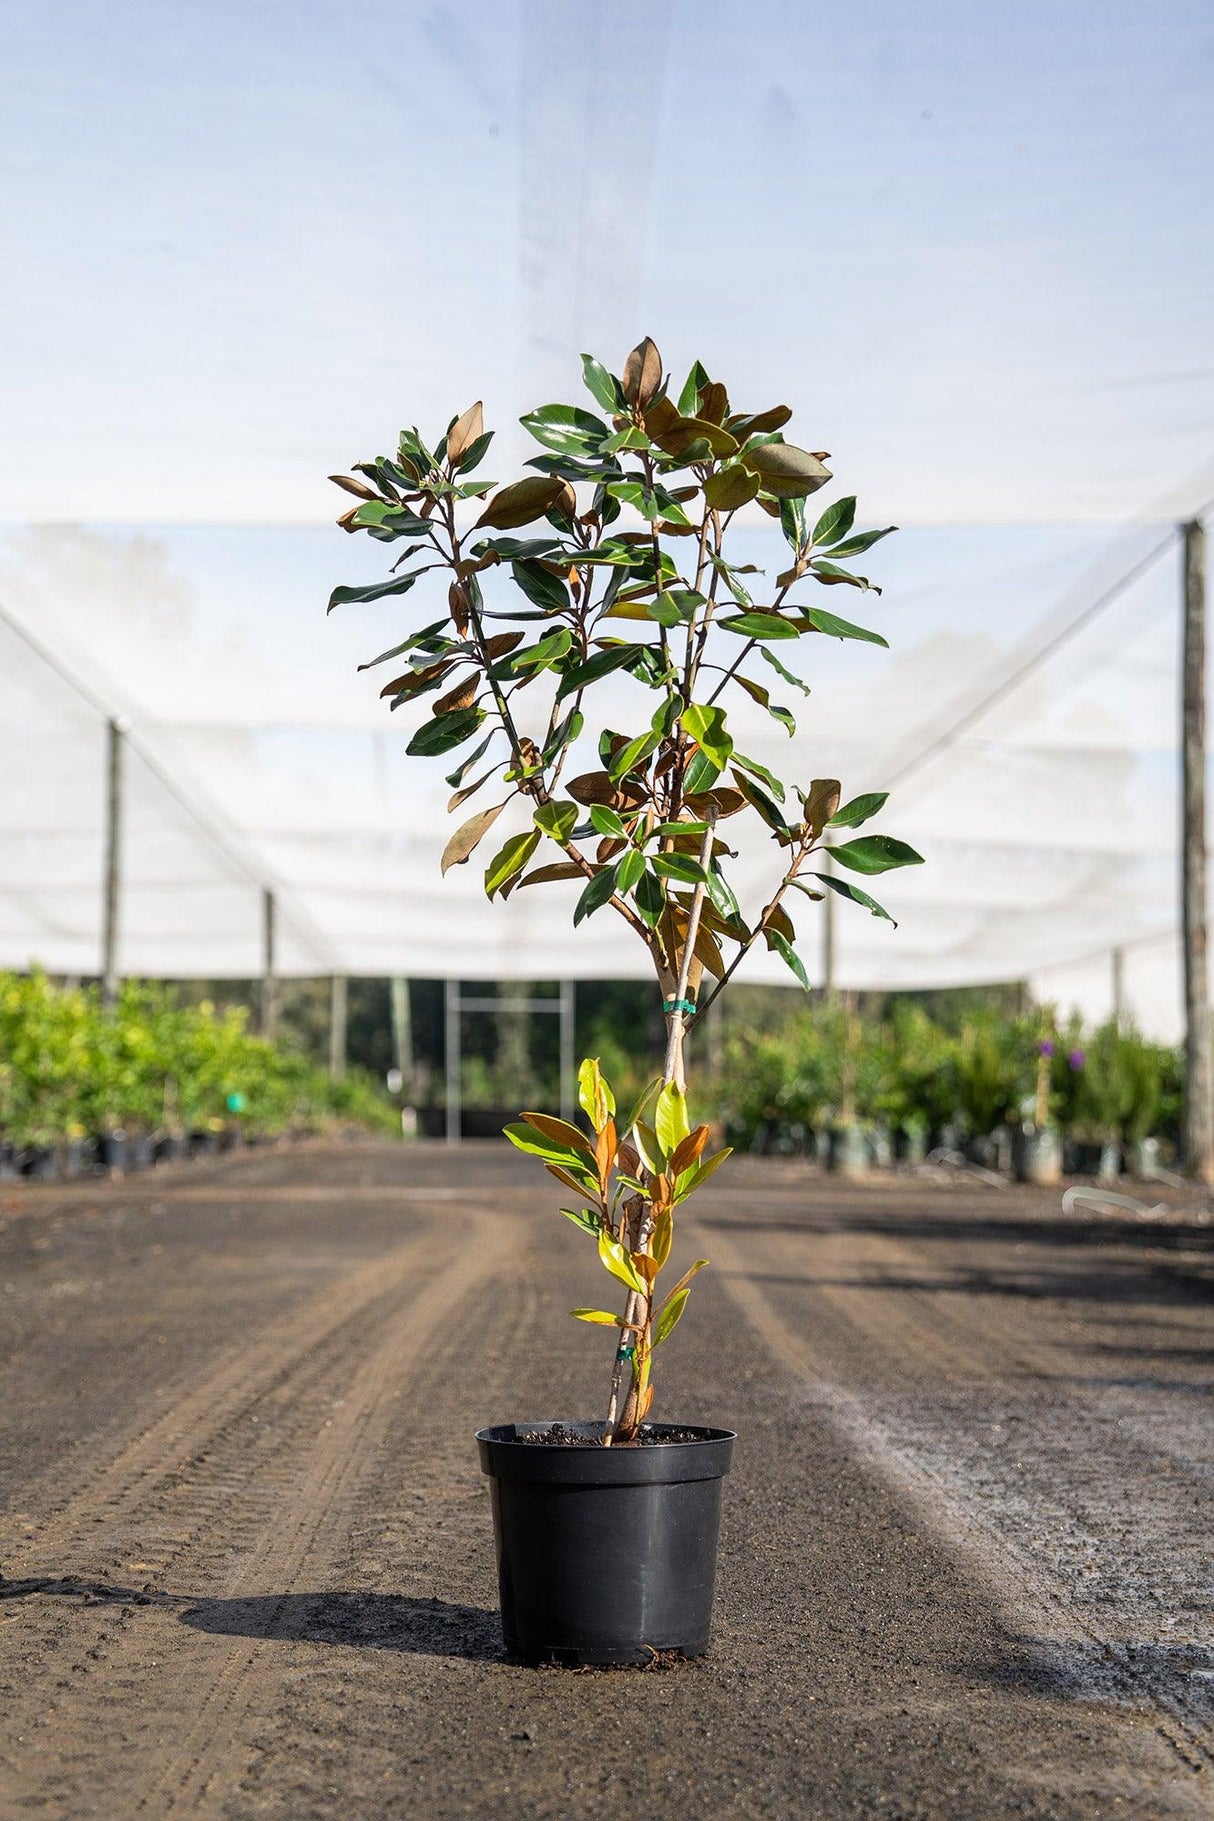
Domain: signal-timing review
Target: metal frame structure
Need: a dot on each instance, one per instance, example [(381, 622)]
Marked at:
[(456, 1003)]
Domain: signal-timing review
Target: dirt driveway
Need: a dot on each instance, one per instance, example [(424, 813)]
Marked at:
[(966, 1561)]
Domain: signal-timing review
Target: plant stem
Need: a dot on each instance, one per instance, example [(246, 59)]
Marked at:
[(673, 1073)]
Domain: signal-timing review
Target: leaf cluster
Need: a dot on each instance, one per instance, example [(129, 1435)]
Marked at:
[(616, 542)]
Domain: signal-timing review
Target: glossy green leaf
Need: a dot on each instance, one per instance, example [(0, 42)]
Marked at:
[(875, 854), (607, 823), (557, 820), (707, 728), (445, 732), (769, 657), (633, 754), (615, 657), (836, 521), (730, 487), (566, 429), (863, 540), (670, 1120), (510, 861), (679, 866), (740, 762), (598, 892), (859, 810), (603, 386), (631, 870), (787, 953), (835, 628), (417, 641), (846, 889), (650, 899), (373, 591), (669, 1318), (585, 1218), (693, 385), (832, 575), (695, 1179), (701, 774), (541, 587), (760, 626)]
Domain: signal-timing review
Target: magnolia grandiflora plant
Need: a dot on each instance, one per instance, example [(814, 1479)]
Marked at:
[(654, 597)]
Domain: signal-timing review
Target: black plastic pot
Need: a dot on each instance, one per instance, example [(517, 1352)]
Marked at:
[(605, 1555), (168, 1148), (112, 1151), (203, 1144)]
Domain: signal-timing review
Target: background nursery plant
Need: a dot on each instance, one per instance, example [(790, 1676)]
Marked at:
[(617, 543)]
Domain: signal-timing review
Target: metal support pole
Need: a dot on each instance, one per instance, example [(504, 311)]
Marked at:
[(1198, 1108), (828, 936), (1118, 987), (566, 1050), (402, 1032), (338, 1007), (113, 864), (268, 1006), (452, 1058)]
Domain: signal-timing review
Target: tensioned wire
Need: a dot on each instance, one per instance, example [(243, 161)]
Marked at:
[(312, 940)]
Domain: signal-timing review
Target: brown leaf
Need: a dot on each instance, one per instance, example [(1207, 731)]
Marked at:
[(661, 416), (462, 696), (607, 849), (501, 643), (720, 800), (762, 422), (821, 802), (597, 787), (346, 521), (413, 680), (464, 432), (470, 790), (713, 402), (467, 837), (358, 488), (689, 1151), (561, 869), (522, 502), (642, 373), (779, 921), (457, 601)]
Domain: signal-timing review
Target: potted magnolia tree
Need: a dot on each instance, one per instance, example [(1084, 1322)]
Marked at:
[(617, 542)]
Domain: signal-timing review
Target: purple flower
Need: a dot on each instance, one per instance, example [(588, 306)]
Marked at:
[(1076, 1059), (1045, 1047)]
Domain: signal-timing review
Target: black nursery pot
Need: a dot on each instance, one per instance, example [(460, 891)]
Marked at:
[(605, 1555)]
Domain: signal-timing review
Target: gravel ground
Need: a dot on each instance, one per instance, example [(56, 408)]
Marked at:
[(965, 1566)]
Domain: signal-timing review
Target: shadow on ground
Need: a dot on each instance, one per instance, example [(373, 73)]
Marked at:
[(363, 1621), (1129, 1672)]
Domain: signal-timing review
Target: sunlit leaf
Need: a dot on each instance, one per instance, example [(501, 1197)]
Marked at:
[(875, 854), (465, 839), (859, 810)]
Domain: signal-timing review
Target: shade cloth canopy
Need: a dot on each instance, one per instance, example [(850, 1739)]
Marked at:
[(969, 245)]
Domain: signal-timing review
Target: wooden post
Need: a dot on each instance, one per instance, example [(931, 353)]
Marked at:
[(566, 1049), (1198, 1109), (451, 1059), (268, 1002), (337, 1027), (402, 1033), (113, 865), (828, 936), (1118, 987)]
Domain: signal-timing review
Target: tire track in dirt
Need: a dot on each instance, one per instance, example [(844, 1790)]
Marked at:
[(915, 1338), (194, 1469)]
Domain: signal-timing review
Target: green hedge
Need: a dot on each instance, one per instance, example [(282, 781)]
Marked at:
[(69, 1070)]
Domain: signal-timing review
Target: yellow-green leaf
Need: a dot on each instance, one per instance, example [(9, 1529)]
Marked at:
[(670, 1118), (620, 1264), (603, 1317)]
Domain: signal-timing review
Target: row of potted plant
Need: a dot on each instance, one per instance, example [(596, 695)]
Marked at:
[(148, 1078), (997, 1084)]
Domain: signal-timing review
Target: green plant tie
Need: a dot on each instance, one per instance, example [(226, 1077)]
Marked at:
[(679, 1005)]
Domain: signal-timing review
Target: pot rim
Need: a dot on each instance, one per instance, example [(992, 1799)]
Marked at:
[(504, 1455)]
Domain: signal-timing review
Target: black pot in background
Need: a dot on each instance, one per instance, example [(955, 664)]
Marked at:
[(203, 1144), (112, 1151), (140, 1152), (605, 1555), (39, 1163), (168, 1148), (8, 1162)]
